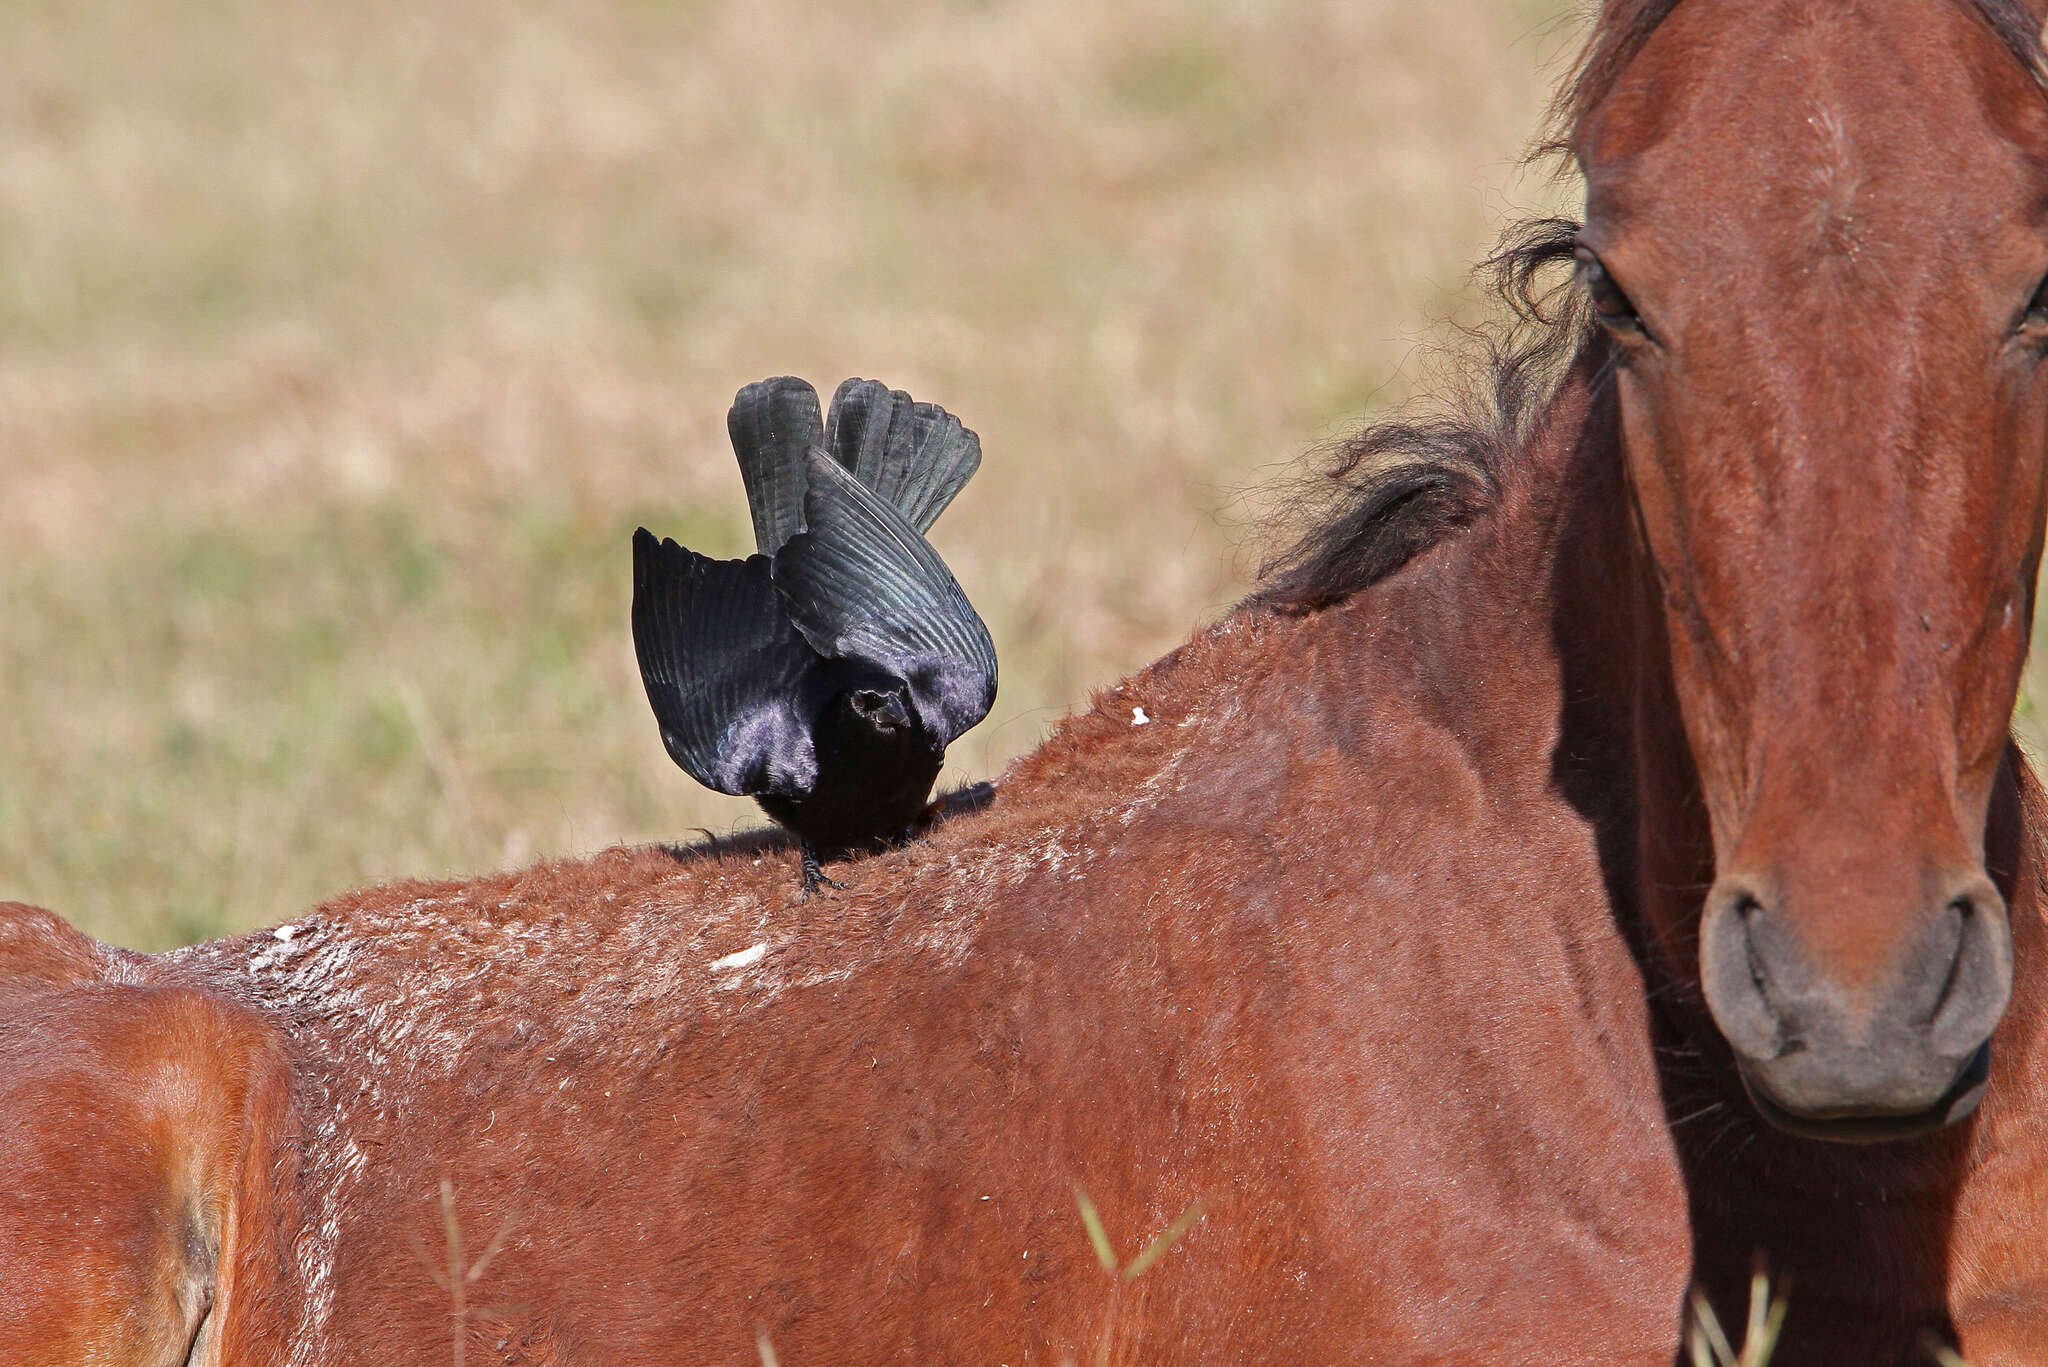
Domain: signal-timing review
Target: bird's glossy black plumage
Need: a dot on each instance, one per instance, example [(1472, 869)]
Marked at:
[(825, 675)]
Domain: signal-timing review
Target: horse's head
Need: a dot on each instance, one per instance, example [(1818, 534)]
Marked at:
[(1818, 234)]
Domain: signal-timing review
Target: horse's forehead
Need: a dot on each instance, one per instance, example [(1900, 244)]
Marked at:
[(1815, 113)]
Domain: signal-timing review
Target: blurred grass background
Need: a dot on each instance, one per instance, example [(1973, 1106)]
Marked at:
[(343, 346)]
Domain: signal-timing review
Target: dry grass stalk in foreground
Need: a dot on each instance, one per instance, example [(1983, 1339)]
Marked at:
[(1105, 1254), (1708, 1345), (1120, 1273), (460, 1275)]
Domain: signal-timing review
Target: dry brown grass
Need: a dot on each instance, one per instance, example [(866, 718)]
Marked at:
[(345, 344)]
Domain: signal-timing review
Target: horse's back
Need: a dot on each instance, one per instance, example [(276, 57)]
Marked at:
[(140, 1127)]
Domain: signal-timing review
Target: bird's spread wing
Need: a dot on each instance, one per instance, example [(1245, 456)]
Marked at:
[(915, 455), (772, 423), (724, 669), (861, 583)]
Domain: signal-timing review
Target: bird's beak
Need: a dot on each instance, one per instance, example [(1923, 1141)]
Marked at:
[(882, 709)]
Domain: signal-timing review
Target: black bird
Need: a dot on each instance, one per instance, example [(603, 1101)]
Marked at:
[(826, 675)]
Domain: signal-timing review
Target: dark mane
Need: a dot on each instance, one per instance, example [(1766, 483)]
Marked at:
[(1405, 484)]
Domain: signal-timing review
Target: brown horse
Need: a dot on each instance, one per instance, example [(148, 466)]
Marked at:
[(1490, 925)]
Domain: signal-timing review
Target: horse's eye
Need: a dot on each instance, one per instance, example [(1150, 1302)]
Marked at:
[(2034, 322), (1612, 305)]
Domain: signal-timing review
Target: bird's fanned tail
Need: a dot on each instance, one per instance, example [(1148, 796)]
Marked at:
[(916, 456)]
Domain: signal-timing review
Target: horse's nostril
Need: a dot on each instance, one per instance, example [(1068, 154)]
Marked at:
[(1978, 983), (1734, 975), (1946, 946), (1746, 908)]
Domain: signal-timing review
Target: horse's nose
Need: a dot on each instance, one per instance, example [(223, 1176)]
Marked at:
[(1888, 1031)]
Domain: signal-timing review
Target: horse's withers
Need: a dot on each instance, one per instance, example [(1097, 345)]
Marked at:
[(1841, 524)]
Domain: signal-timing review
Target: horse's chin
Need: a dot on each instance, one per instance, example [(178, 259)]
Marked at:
[(1864, 1127)]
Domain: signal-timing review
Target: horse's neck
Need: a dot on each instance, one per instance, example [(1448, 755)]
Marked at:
[(1516, 614)]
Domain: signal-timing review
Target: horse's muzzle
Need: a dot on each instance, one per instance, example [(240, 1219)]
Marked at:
[(1898, 1050)]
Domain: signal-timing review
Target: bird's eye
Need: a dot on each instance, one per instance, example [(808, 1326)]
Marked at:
[(1610, 302), (2033, 326)]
